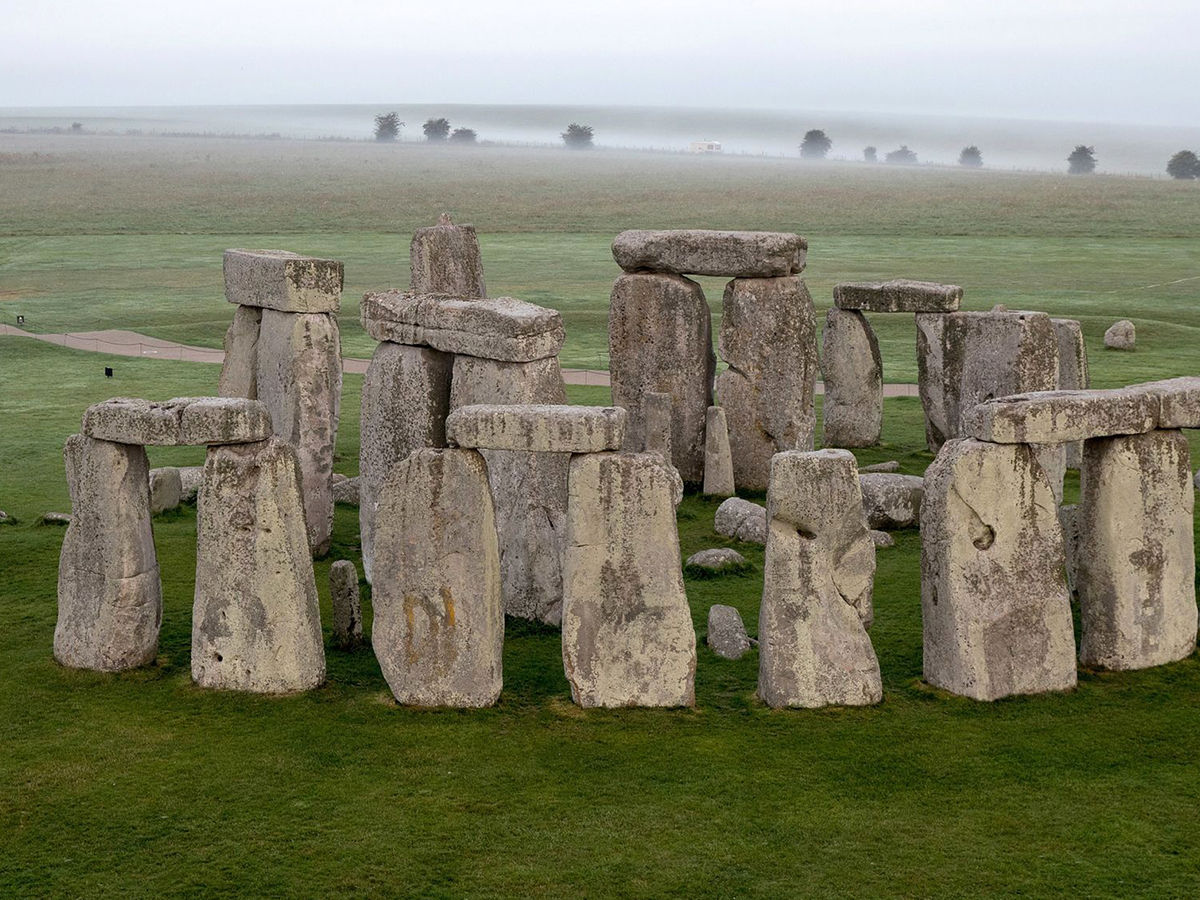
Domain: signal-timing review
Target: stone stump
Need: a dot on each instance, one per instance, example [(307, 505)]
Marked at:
[(852, 369)]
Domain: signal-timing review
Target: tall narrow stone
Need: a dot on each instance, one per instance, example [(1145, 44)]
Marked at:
[(852, 368), (718, 461), (769, 341), (1135, 560), (817, 580), (256, 624), (657, 430), (239, 371), (628, 638), (994, 602), (109, 593), (1073, 374), (445, 259), (660, 339), (439, 623), (347, 607)]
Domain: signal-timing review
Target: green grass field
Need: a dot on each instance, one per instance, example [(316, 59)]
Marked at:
[(140, 784)]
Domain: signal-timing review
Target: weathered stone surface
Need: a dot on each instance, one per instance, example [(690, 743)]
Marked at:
[(718, 560), (897, 296), (995, 607), (445, 259), (741, 519), (347, 608), (499, 328), (256, 624), (183, 420), (300, 381), (439, 624), (891, 465), (1135, 562), (726, 632), (732, 254), (660, 340), (1068, 519), (718, 458), (405, 400), (1073, 374), (1063, 416), (1120, 336), (818, 575), (656, 425), (346, 492), (109, 594), (207, 421), (1179, 401), (239, 370), (892, 501), (769, 341), (529, 490), (882, 540), (166, 489), (853, 374), (539, 428), (284, 281), (190, 479), (628, 638)]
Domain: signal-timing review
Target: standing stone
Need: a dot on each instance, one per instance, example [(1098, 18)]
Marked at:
[(657, 431), (529, 490), (1135, 564), (347, 608), (818, 574), (718, 460), (109, 593), (405, 399), (1073, 374), (256, 623), (628, 638), (1120, 336), (190, 479), (439, 623), (445, 259), (726, 632), (660, 339), (994, 602), (1068, 518), (166, 489), (300, 381), (853, 372), (768, 339), (239, 370)]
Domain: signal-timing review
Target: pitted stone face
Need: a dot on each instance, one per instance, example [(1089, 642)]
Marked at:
[(542, 428), (181, 421), (898, 296), (852, 409), (284, 281), (732, 254), (445, 259)]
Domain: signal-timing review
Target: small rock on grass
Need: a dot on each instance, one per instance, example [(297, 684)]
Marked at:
[(726, 633), (56, 518), (882, 539), (714, 562)]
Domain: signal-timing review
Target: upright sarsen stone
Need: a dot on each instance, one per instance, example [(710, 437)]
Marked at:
[(239, 370), (718, 459), (445, 259), (852, 369), (1073, 374)]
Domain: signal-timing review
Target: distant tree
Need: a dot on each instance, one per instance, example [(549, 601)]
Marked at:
[(901, 157), (816, 145), (578, 137), (971, 157), (463, 136), (1082, 160), (387, 127), (436, 129), (1184, 165), (870, 154), (76, 127)]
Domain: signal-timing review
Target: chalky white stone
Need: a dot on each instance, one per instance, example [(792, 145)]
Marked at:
[(283, 281)]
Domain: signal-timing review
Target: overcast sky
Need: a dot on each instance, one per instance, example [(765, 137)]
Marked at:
[(1104, 60)]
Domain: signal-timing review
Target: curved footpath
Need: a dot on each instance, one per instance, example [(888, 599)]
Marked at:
[(130, 343)]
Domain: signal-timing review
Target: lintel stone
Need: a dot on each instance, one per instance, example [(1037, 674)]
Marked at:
[(279, 279), (732, 254), (898, 296)]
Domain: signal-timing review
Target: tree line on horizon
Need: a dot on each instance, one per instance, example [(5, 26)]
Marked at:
[(437, 131)]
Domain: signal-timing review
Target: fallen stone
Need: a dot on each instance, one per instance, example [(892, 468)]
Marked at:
[(283, 281), (1120, 336), (818, 575), (166, 489), (852, 369), (239, 370), (994, 602), (56, 518), (1073, 374), (256, 623), (726, 632), (742, 520), (445, 259), (882, 540), (897, 296), (183, 420), (538, 428), (1135, 562), (891, 465), (628, 638), (718, 460), (656, 429), (190, 480), (346, 492), (439, 622), (732, 254), (716, 561), (892, 501), (499, 328), (769, 341), (347, 608)]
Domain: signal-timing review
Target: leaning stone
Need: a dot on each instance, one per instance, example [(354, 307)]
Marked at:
[(732, 254), (190, 479), (445, 259), (628, 638), (892, 465), (347, 608), (1135, 564), (656, 427), (499, 328), (166, 489), (742, 520), (1073, 372), (892, 501), (726, 633), (898, 296), (1046, 417), (346, 492), (852, 369), (718, 460), (537, 428), (207, 421), (769, 341), (996, 612), (283, 281), (439, 624), (109, 593), (256, 623), (1120, 336), (818, 574), (678, 361), (882, 540), (239, 370), (717, 561)]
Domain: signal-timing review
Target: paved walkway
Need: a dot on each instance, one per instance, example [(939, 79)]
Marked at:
[(130, 343)]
